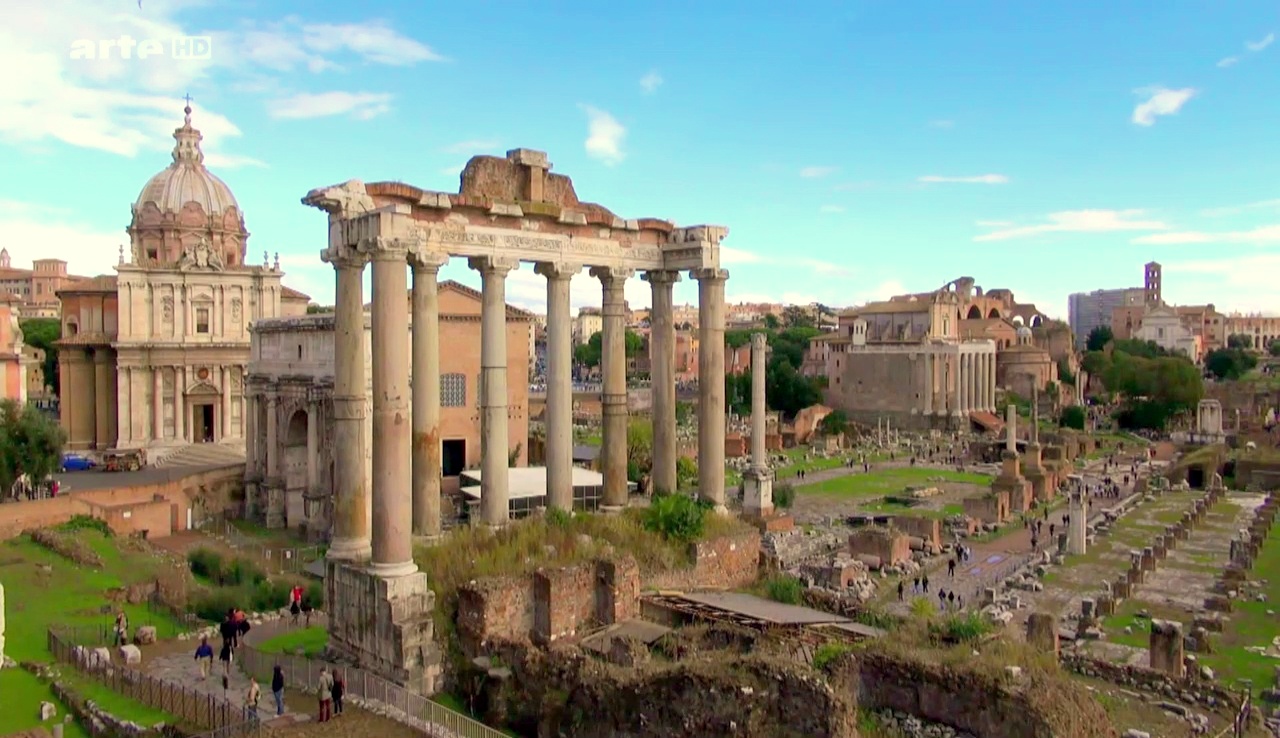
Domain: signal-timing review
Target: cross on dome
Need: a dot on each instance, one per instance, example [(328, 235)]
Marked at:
[(187, 150)]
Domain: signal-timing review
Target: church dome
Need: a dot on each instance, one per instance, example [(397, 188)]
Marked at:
[(186, 180), (1023, 332)]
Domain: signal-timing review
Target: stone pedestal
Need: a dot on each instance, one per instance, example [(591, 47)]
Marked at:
[(1042, 632), (1166, 652), (384, 625), (1078, 524), (757, 486)]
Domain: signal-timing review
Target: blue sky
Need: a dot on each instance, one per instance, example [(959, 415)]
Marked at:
[(854, 149)]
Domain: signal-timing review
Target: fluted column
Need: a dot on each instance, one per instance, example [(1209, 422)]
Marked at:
[(157, 403), (226, 403), (966, 382), (427, 467), (392, 501), (613, 362), (350, 540), (953, 383), (662, 375), (495, 507), (711, 412), (559, 414), (928, 383), (252, 443)]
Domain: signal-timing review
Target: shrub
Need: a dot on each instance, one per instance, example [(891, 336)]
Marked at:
[(558, 518), (676, 517), (923, 607), (1072, 417), (960, 628), (242, 572), (784, 496), (829, 652), (205, 563), (213, 605), (314, 595), (686, 473), (784, 588), (266, 595), (86, 522)]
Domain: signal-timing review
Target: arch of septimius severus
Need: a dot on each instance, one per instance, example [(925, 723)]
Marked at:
[(508, 210)]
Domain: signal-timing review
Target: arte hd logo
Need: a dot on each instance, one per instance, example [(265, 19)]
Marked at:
[(126, 47)]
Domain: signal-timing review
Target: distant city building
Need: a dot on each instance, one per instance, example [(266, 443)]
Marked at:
[(1202, 327), (1089, 310), (36, 289), (1262, 330), (588, 323)]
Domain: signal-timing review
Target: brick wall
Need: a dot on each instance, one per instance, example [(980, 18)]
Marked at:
[(152, 506), (729, 561), (888, 544)]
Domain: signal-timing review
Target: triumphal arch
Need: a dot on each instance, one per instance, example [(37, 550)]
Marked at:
[(508, 210)]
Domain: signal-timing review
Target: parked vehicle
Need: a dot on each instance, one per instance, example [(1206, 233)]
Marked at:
[(76, 462), (131, 460)]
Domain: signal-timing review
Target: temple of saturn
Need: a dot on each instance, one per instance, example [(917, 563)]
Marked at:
[(508, 210)]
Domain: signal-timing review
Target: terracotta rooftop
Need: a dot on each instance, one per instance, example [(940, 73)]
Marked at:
[(449, 284), (100, 283), (891, 306), (292, 294)]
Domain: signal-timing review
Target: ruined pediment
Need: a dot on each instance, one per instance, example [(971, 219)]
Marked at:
[(524, 177)]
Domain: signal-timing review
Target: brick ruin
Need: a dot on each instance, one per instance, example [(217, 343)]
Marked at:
[(1166, 648), (879, 546)]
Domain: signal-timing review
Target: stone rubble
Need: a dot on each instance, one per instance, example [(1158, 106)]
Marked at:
[(910, 726)]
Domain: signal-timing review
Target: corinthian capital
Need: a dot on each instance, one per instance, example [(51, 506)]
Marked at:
[(710, 274), (341, 200), (488, 265), (557, 270), (661, 276), (420, 258), (344, 257)]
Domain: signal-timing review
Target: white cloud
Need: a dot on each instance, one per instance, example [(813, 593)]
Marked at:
[(651, 82), (1244, 283), (730, 256), (1160, 102), (825, 268), (471, 146), (942, 124), (1260, 236), (78, 90), (604, 136), (1229, 61), (360, 105), (1256, 46), (831, 209), (815, 172), (1238, 209), (980, 179), (231, 161), (993, 223), (34, 231), (1079, 221)]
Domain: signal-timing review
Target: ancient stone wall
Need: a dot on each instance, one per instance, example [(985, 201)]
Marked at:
[(1030, 705), (930, 529), (1189, 687), (889, 545), (725, 562), (1264, 474), (150, 506)]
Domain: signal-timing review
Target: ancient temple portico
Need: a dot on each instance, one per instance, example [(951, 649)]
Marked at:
[(509, 210)]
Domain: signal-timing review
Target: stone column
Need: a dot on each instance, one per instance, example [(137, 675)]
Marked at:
[(252, 443), (180, 404), (1011, 428), (559, 414), (392, 501), (990, 379), (662, 362), (350, 539), (711, 384), (928, 383), (157, 403), (962, 377), (103, 406), (427, 463), (313, 447), (613, 362), (226, 404), (759, 405), (273, 439), (495, 506)]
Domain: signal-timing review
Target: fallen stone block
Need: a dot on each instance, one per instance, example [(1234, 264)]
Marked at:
[(47, 711), (131, 654), (146, 635)]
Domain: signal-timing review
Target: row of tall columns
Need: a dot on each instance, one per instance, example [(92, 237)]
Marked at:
[(559, 413), (662, 373), (613, 359), (976, 383), (494, 484), (350, 540)]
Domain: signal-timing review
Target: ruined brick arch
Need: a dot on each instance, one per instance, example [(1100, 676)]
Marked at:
[(1036, 320), (994, 314), (975, 313)]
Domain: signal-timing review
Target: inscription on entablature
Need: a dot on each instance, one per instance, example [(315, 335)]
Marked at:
[(530, 246)]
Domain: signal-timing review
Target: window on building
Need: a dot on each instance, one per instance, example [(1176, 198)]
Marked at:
[(202, 320), (453, 390), (153, 255)]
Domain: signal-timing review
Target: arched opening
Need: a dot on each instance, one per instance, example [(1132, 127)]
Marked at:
[(994, 314), (295, 467), (1016, 320), (1036, 321), (975, 313)]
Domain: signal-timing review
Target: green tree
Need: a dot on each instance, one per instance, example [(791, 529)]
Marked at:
[(316, 309), (639, 449), (1229, 363), (737, 337), (833, 423), (1064, 372), (795, 316), (591, 352), (1072, 417), (30, 443), (1153, 385), (1098, 338), (41, 333), (1274, 348), (1240, 341), (771, 322)]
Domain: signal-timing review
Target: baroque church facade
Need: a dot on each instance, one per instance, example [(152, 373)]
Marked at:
[(156, 356)]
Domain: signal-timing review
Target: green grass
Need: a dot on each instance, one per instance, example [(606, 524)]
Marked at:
[(68, 595), (23, 693), (888, 481), (311, 641), (1250, 625), (919, 511), (113, 702)]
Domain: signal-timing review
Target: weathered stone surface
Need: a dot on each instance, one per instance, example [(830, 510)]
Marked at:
[(130, 654), (146, 635)]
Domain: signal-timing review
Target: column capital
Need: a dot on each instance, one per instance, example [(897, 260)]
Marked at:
[(555, 270), (709, 274), (611, 273), (423, 260), (383, 248), (344, 257), (487, 265), (661, 276)]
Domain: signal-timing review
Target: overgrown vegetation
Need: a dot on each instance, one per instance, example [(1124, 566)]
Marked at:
[(1072, 417), (239, 583), (784, 588), (676, 517), (829, 652), (784, 496), (1154, 384), (30, 444), (785, 388)]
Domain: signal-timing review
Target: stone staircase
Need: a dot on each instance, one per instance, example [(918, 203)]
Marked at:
[(199, 454)]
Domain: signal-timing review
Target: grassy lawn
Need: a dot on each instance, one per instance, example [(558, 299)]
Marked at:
[(917, 511), (311, 641), (66, 594), (889, 481)]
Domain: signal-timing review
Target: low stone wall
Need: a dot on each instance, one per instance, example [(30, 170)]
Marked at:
[(726, 562), (1189, 689), (97, 722), (1029, 705), (160, 507)]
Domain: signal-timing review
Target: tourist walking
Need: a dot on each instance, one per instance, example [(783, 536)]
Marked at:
[(251, 700), (339, 689), (122, 628), (324, 691), (951, 567), (902, 587), (277, 688), (204, 657), (225, 657)]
